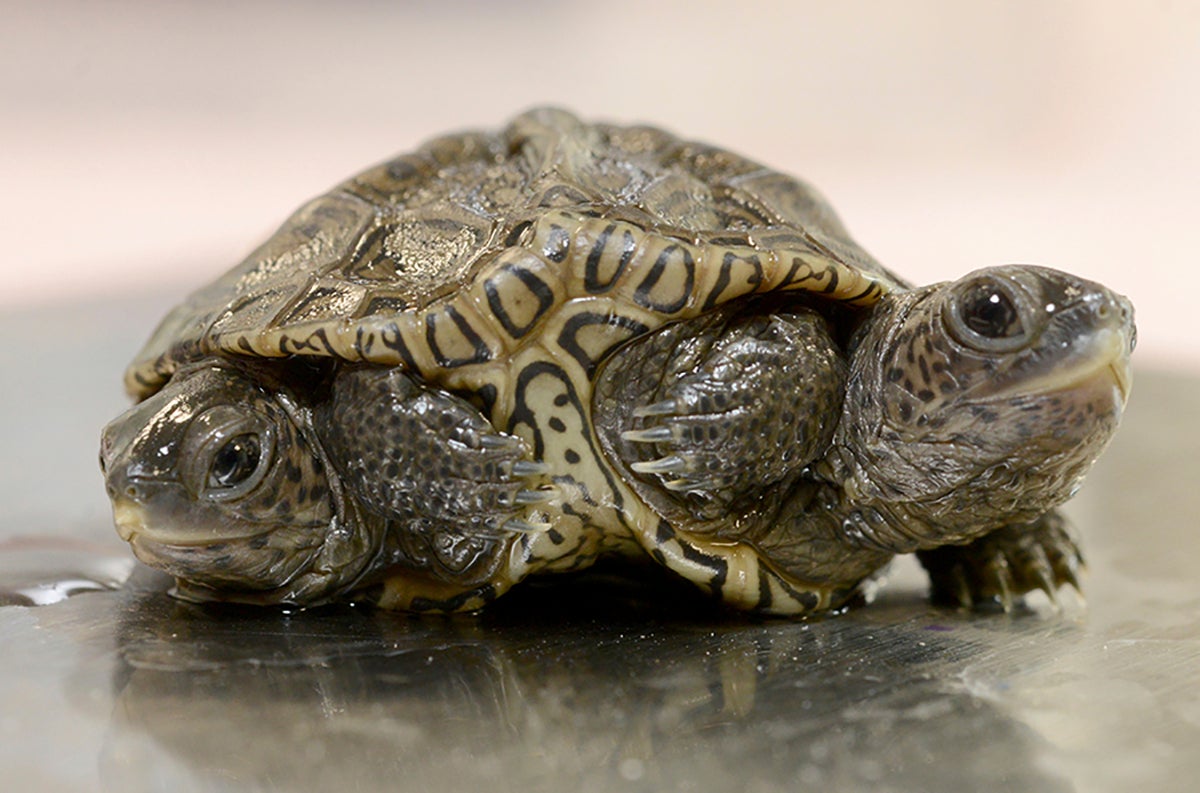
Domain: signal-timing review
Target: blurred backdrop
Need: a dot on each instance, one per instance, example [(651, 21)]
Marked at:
[(145, 147)]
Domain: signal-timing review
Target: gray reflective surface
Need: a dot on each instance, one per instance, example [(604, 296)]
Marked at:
[(596, 683)]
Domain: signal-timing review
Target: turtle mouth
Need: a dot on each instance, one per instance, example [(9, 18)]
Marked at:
[(250, 562), (130, 519), (1122, 377), (133, 528), (1099, 362)]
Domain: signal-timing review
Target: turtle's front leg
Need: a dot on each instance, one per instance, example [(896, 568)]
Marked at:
[(997, 568), (453, 490), (716, 409)]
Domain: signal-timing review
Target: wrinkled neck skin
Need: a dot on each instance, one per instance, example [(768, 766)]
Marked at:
[(938, 444)]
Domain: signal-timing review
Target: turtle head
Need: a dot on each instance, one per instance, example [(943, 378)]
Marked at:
[(983, 401), (219, 480)]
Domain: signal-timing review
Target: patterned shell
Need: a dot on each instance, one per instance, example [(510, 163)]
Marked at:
[(482, 250)]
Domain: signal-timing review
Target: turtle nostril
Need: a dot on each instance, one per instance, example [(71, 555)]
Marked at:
[(1103, 310), (130, 490)]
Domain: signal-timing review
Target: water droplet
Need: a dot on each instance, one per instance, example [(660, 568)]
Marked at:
[(39, 571)]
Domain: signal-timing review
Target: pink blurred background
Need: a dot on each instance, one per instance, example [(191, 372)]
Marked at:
[(145, 147)]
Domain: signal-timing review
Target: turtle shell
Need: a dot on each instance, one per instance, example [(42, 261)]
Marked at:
[(481, 252)]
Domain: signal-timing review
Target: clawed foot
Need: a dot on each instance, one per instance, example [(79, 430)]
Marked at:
[(741, 406), (691, 439), (424, 457), (511, 483), (992, 572)]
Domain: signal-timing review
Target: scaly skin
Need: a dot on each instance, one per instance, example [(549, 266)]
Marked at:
[(473, 291), (936, 444)]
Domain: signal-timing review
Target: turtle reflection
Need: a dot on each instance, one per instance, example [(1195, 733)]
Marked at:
[(566, 687)]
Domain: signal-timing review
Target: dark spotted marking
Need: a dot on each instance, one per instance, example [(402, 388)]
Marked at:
[(363, 342), (832, 286), (870, 290), (797, 265), (513, 238), (718, 566), (765, 597), (485, 592), (642, 295), (385, 304), (523, 414), (723, 277), (310, 344), (371, 253), (807, 600), (481, 352), (486, 395), (395, 341), (567, 338), (591, 270), (540, 290)]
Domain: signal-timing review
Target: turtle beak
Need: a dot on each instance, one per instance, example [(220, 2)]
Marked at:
[(1122, 376), (129, 517)]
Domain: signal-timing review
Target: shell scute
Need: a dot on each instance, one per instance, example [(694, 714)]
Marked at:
[(552, 232), (519, 292)]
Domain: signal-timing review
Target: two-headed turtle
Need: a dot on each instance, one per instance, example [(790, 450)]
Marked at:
[(518, 352)]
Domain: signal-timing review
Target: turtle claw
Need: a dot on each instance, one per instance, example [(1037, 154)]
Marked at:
[(528, 468), (1067, 569), (694, 485), (521, 526), (526, 497), (1004, 587), (539, 496), (1045, 583), (1041, 574), (961, 588), (667, 407), (996, 570), (1074, 581), (674, 464), (650, 435)]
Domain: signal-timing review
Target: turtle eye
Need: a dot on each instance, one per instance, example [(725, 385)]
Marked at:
[(987, 314), (235, 461), (227, 453), (991, 313)]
